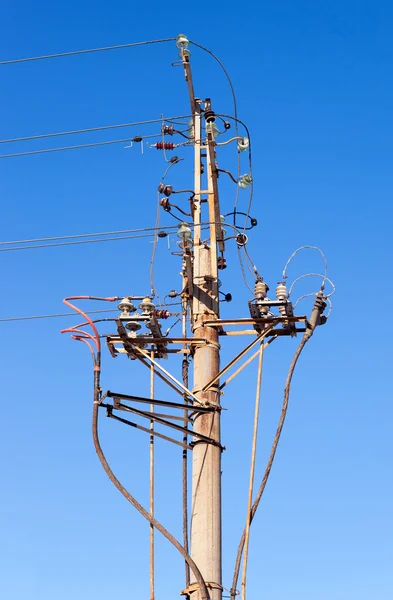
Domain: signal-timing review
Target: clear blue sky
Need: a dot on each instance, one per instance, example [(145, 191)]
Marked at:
[(314, 84)]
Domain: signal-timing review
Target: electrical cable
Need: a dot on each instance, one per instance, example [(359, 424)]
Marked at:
[(83, 235), (53, 316), (324, 278), (252, 470), (314, 294), (273, 450), (109, 239), (96, 401), (240, 122), (243, 269), (198, 576), (77, 147), (88, 51), (284, 273), (89, 130)]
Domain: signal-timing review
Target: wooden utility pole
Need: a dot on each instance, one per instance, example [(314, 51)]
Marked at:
[(206, 538)]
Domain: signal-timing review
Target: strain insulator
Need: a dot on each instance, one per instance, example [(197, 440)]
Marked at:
[(261, 289), (221, 263), (165, 145), (167, 129), (165, 189), (161, 314)]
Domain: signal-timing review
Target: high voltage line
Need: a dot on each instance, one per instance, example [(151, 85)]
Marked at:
[(88, 51), (90, 129)]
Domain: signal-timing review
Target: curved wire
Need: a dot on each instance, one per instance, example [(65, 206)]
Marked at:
[(315, 294), (198, 576), (324, 277), (284, 273), (243, 269), (276, 440)]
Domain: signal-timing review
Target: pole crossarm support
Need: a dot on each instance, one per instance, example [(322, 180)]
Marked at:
[(234, 360), (154, 417)]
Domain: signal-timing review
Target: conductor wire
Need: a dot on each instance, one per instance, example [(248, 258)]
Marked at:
[(252, 471), (88, 51), (273, 450)]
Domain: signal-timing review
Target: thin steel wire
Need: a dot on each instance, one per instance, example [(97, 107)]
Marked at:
[(109, 239), (151, 457), (84, 235), (54, 316), (88, 51), (89, 130), (276, 440), (77, 147), (324, 277), (284, 273), (252, 470)]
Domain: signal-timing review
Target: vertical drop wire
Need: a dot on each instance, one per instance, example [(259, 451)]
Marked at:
[(252, 471), (185, 367), (152, 481)]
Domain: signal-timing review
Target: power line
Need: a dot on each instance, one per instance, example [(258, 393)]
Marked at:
[(88, 51), (109, 239), (55, 315), (90, 129), (92, 145), (83, 235)]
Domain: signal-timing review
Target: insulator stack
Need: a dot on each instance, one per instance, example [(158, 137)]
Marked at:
[(165, 145), (282, 295), (261, 289), (161, 314)]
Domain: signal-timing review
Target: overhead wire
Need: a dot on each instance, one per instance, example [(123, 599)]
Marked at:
[(76, 147), (90, 129), (83, 235), (88, 51), (96, 402), (305, 247), (53, 316), (108, 239), (270, 461), (252, 469), (324, 278)]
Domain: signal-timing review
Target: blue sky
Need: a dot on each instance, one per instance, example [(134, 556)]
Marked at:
[(313, 82)]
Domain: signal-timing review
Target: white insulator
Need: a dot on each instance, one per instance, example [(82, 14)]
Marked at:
[(281, 291), (260, 289)]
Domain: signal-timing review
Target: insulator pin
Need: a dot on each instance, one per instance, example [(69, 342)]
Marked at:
[(167, 129)]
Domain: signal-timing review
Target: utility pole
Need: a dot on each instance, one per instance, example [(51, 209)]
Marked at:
[(206, 535), (206, 463), (202, 252)]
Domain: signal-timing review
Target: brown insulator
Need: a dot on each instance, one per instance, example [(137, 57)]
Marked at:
[(165, 145)]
